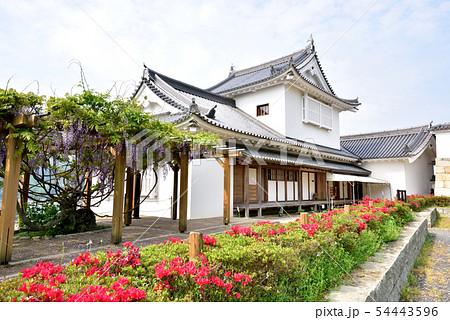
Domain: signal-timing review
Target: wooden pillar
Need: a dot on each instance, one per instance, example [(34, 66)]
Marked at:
[(128, 197), (25, 189), (137, 195), (195, 244), (176, 168), (246, 193), (226, 190), (119, 177), (87, 191), (285, 185), (184, 171), (260, 190), (9, 200)]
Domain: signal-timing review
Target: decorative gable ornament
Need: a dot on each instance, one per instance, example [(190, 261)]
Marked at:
[(193, 108), (310, 46)]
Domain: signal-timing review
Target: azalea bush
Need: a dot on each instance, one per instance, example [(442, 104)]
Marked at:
[(86, 279), (419, 202)]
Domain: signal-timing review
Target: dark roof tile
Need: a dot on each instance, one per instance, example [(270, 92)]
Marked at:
[(387, 144)]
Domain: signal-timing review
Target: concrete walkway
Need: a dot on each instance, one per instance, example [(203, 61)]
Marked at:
[(145, 231)]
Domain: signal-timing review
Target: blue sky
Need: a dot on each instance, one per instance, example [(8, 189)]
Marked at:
[(391, 54)]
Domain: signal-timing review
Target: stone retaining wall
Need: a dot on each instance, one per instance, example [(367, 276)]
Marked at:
[(382, 277), (444, 211)]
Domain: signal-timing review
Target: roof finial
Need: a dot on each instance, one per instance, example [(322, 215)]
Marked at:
[(145, 74), (291, 61), (231, 69), (212, 113), (272, 70), (310, 46), (193, 108)]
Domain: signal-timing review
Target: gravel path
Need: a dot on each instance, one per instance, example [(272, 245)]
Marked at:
[(434, 279)]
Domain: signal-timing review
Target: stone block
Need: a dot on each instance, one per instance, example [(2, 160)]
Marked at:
[(439, 184), (439, 169)]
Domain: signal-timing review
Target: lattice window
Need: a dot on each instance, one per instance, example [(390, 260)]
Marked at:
[(318, 113)]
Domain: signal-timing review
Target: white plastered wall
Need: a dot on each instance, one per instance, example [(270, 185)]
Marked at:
[(296, 128), (419, 174), (274, 96), (392, 171)]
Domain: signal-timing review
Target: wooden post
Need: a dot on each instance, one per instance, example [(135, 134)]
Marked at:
[(299, 188), (260, 190), (176, 168), (285, 185), (137, 194), (195, 244), (9, 200), (347, 209), (184, 171), (87, 191), (119, 181), (370, 203), (25, 189), (128, 197), (395, 199), (226, 190), (304, 218), (246, 193)]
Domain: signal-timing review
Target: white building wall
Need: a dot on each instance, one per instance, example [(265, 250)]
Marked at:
[(388, 170), (274, 96), (296, 128), (285, 115), (419, 174), (157, 204)]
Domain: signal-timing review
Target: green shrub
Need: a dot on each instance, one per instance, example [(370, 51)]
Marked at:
[(41, 213), (389, 230)]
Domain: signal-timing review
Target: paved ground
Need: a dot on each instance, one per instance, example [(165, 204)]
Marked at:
[(434, 280), (147, 230)]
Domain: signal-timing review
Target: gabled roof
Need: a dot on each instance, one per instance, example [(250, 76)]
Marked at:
[(401, 143), (267, 71), (227, 116)]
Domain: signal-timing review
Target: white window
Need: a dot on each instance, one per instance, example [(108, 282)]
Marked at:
[(317, 113)]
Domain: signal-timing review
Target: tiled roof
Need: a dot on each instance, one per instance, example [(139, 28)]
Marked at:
[(388, 144), (269, 70), (304, 160), (258, 73), (227, 116)]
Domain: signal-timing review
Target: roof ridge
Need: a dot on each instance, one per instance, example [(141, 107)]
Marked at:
[(387, 133), (267, 64)]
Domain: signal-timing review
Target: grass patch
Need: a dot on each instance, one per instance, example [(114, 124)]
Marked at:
[(411, 290), (442, 222)]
